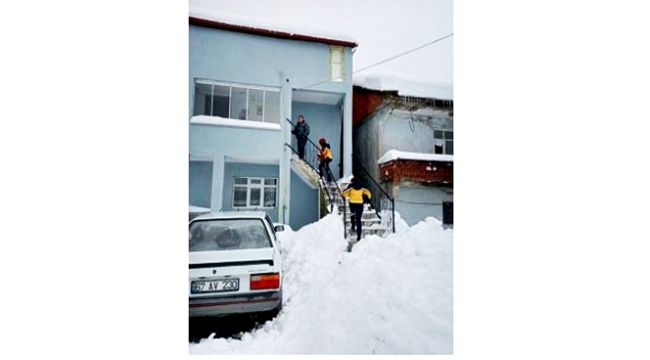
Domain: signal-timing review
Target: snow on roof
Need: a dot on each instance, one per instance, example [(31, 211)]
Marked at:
[(215, 120), (405, 155), (405, 86), (210, 17)]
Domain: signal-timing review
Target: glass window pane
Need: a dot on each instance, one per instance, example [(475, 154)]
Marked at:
[(256, 197), (255, 100), (202, 99), (228, 234), (241, 181), (256, 181), (336, 56), (269, 197), (270, 181), (449, 147), (238, 103), (449, 135), (272, 107), (240, 196), (337, 72), (221, 101), (437, 134)]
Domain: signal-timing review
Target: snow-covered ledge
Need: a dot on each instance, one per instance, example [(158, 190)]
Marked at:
[(219, 121), (392, 154)]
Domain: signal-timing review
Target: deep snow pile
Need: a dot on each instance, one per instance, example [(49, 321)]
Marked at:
[(389, 295)]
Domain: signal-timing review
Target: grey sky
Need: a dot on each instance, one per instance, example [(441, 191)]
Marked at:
[(382, 28)]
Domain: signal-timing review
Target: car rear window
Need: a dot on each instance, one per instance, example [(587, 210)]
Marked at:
[(228, 234)]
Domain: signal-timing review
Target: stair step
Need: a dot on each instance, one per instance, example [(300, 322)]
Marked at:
[(365, 232), (366, 221)]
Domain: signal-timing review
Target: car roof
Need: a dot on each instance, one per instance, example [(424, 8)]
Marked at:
[(231, 215)]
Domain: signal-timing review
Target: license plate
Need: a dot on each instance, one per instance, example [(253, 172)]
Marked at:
[(208, 286)]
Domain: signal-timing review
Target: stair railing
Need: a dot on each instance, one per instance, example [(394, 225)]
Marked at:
[(320, 184), (384, 203), (311, 158)]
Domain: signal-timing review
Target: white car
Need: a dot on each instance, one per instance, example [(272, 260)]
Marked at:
[(235, 264)]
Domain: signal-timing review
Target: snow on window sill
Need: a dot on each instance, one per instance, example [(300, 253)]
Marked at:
[(219, 121)]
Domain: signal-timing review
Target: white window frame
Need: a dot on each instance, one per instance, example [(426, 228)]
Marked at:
[(249, 185), (239, 85), (443, 140), (341, 50)]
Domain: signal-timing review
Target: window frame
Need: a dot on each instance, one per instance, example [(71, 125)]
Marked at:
[(230, 85), (341, 50), (443, 139), (249, 185)]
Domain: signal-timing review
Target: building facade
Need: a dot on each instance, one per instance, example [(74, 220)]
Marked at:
[(407, 143), (245, 81)]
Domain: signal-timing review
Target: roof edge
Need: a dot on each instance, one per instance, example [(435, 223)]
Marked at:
[(193, 20)]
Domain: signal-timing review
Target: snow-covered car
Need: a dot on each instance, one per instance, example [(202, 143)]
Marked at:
[(235, 264)]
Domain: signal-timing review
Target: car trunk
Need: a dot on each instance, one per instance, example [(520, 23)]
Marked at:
[(209, 266)]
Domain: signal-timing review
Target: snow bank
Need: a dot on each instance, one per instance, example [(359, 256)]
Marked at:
[(405, 86), (216, 120), (389, 295), (218, 16), (406, 155)]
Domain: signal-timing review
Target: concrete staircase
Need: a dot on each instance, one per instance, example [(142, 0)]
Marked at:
[(370, 220), (371, 223)]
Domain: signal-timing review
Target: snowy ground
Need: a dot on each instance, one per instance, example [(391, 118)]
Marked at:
[(388, 296)]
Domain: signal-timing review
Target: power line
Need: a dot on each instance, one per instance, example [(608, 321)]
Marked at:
[(404, 53), (391, 58)]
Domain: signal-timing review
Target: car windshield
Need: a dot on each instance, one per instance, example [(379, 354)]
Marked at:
[(228, 234)]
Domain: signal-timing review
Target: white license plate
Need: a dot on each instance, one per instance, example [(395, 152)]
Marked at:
[(207, 286)]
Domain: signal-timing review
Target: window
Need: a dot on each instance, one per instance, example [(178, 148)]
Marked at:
[(228, 234), (336, 63), (443, 142), (251, 192), (236, 101)]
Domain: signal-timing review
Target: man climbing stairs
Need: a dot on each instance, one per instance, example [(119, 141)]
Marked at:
[(371, 223)]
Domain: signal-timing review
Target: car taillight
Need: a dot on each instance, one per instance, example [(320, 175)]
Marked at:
[(265, 281)]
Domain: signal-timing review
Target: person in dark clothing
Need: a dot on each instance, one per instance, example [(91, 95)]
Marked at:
[(325, 157), (357, 195), (301, 131)]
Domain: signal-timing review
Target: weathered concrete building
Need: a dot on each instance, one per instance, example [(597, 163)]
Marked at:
[(406, 141)]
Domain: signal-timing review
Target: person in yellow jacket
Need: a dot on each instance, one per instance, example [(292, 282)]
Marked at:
[(325, 157), (357, 195)]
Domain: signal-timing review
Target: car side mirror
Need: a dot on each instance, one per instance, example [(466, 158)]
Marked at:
[(278, 227)]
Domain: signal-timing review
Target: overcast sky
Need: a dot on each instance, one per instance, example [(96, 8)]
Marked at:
[(382, 28)]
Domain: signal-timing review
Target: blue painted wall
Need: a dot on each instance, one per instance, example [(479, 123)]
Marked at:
[(325, 121), (244, 58), (304, 203), (200, 183), (235, 141)]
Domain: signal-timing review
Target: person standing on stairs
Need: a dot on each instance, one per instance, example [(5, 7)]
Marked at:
[(301, 131), (325, 157), (357, 195)]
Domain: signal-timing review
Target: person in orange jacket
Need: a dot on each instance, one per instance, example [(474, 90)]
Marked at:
[(357, 195), (325, 157)]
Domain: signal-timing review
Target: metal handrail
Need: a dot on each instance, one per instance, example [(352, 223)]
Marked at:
[(329, 198), (392, 200), (378, 185), (331, 175)]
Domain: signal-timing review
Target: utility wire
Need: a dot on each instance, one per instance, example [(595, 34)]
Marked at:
[(390, 58)]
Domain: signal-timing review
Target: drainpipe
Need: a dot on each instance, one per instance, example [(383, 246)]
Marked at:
[(285, 159), (347, 133)]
